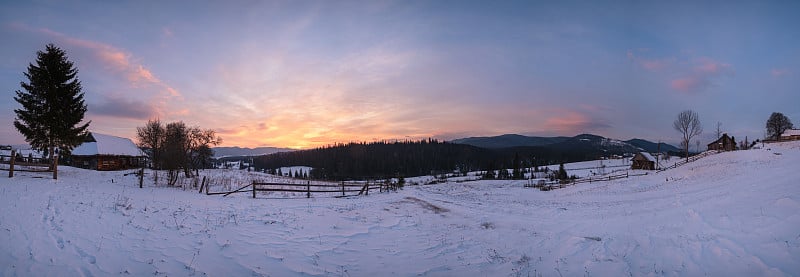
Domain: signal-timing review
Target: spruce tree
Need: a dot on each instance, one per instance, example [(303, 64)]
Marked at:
[(52, 103), (562, 173)]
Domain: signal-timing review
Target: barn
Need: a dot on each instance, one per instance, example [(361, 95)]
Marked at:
[(724, 143), (791, 134), (106, 152), (643, 160)]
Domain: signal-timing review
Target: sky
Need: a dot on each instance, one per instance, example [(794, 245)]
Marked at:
[(302, 74)]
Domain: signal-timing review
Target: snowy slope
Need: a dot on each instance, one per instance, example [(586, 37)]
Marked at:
[(731, 214)]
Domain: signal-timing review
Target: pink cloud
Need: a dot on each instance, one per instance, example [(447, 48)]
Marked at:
[(573, 122), (709, 66), (648, 63), (689, 84), (696, 75), (777, 73), (166, 32), (702, 73), (111, 58)]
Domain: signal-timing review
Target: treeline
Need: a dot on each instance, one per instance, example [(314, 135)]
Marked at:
[(176, 147), (376, 160)]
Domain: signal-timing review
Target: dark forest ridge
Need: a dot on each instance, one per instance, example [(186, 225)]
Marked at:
[(514, 140), (416, 158)]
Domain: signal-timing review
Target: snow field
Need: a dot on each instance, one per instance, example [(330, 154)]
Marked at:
[(730, 214)]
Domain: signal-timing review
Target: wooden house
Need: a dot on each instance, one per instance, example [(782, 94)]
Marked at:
[(106, 152), (643, 160), (724, 143), (790, 134)]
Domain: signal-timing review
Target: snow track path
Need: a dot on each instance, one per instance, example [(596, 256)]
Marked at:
[(731, 214)]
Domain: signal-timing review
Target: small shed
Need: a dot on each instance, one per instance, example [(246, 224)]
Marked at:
[(643, 160), (107, 152), (791, 134), (724, 143)]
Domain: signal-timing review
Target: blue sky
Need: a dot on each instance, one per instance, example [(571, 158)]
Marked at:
[(309, 73)]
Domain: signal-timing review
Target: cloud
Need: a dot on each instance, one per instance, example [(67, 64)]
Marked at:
[(119, 107), (690, 83), (696, 75), (573, 122), (709, 66), (167, 32), (702, 74), (112, 59), (779, 72), (649, 64)]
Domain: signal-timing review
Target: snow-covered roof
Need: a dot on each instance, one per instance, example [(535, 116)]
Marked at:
[(647, 156), (791, 132), (107, 145)]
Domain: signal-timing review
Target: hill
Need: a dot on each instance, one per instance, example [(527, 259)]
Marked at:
[(730, 214), (588, 143), (653, 147), (508, 140)]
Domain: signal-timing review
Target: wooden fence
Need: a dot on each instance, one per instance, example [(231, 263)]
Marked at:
[(24, 164), (547, 186), (691, 159), (341, 189)]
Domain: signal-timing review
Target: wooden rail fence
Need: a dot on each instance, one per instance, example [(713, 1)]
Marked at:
[(547, 186), (337, 190), (691, 159), (24, 164)]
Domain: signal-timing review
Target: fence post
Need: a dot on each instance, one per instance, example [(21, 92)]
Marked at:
[(254, 189), (308, 189), (55, 166), (11, 164), (342, 188), (367, 191), (202, 184), (141, 177)]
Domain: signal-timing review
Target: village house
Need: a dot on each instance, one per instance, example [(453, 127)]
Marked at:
[(643, 160), (724, 143), (790, 134), (106, 152)]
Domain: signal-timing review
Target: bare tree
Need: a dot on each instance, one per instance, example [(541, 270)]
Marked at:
[(200, 142), (151, 137), (777, 124), (688, 124), (176, 143), (719, 130)]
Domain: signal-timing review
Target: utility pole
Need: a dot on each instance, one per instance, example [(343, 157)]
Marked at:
[(658, 155)]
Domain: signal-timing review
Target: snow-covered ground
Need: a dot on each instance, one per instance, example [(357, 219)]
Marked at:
[(730, 214)]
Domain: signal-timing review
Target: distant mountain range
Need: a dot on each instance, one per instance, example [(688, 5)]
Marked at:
[(509, 140), (221, 152), (586, 143)]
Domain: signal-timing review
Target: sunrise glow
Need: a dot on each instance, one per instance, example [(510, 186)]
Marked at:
[(302, 75)]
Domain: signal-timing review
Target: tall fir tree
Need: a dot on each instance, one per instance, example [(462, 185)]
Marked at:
[(52, 103), (562, 173)]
